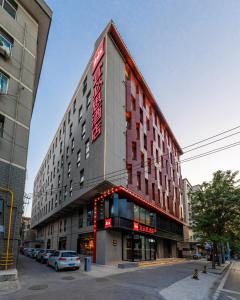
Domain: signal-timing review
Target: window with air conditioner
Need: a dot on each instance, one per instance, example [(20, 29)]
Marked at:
[(3, 83), (6, 43)]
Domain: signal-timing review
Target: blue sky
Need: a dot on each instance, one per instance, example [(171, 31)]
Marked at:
[(188, 52)]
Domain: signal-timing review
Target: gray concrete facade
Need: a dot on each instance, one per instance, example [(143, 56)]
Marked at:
[(21, 57)]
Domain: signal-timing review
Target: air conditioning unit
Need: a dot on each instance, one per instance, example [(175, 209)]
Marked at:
[(4, 51)]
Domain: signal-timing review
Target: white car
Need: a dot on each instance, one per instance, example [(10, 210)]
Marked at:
[(64, 259)]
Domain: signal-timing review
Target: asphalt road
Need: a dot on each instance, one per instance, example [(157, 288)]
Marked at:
[(39, 282), (230, 290)]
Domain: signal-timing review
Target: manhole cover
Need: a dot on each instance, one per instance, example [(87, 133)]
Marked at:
[(68, 278), (38, 287), (101, 279)]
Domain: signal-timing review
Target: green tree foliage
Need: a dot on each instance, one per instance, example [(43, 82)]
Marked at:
[(216, 209)]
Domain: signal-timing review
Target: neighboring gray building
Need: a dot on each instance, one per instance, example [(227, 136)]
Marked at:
[(24, 27), (109, 185)]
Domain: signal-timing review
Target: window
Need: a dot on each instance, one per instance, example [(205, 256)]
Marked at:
[(53, 159), (145, 141), (148, 124), (67, 152), (3, 83), (141, 115), (80, 114), (65, 225), (80, 218), (2, 119), (129, 169), (157, 157), (69, 169), (134, 150), (160, 178), (138, 131), (153, 191), (70, 188), (139, 180), (142, 160), (154, 134), (83, 130), (133, 103), (65, 192), (78, 158), (70, 130), (6, 43), (85, 85), (56, 200), (89, 98), (144, 101), (74, 106), (72, 147), (87, 144), (90, 214), (59, 180), (10, 6), (81, 178), (149, 165), (69, 116), (61, 147), (146, 186)]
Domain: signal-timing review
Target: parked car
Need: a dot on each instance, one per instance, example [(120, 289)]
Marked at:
[(28, 251), (39, 254), (45, 255), (197, 256), (35, 252), (64, 259)]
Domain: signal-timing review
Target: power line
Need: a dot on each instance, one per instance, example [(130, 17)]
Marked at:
[(211, 137), (225, 137)]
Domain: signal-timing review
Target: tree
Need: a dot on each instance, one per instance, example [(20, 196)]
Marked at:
[(216, 209)]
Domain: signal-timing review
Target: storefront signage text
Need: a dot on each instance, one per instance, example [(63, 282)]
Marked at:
[(97, 72), (143, 228)]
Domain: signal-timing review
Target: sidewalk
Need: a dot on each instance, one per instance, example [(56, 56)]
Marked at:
[(202, 289)]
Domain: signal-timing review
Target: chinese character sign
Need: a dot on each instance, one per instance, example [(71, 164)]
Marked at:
[(97, 69)]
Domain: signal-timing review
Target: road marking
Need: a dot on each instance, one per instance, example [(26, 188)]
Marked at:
[(231, 291), (221, 285), (232, 298)]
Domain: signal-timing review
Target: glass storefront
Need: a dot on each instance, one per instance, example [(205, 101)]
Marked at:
[(137, 247), (85, 244)]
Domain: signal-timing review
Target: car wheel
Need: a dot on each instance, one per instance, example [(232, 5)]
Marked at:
[(77, 268), (56, 267), (42, 261)]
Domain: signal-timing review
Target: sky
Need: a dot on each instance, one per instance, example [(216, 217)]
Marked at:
[(188, 52)]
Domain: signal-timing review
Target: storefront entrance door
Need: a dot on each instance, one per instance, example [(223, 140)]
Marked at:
[(138, 247)]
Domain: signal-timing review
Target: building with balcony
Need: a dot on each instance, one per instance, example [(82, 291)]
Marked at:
[(110, 183), (24, 27)]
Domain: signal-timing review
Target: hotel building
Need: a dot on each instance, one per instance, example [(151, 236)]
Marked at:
[(109, 185)]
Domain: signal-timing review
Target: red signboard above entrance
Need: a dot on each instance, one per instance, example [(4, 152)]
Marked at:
[(143, 228)]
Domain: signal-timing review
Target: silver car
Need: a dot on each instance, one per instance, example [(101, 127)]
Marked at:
[(44, 255), (64, 259)]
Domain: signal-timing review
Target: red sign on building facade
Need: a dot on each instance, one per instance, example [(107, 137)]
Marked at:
[(97, 73), (108, 223), (143, 228)]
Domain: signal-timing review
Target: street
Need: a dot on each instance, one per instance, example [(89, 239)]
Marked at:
[(230, 285), (40, 282)]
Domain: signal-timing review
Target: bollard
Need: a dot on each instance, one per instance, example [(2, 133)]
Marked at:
[(195, 274), (204, 269)]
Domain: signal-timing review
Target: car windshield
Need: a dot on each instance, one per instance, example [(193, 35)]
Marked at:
[(69, 254)]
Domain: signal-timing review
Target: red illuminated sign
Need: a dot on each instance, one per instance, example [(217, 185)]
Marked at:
[(97, 72), (98, 55), (143, 228), (108, 223)]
